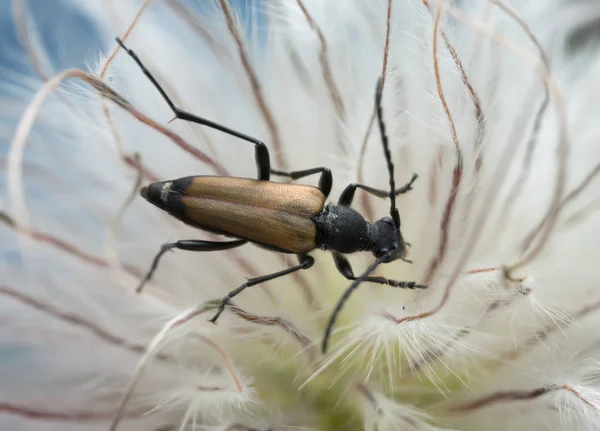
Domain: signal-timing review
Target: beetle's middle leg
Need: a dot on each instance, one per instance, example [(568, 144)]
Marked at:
[(325, 182), (306, 261), (263, 162), (190, 245), (343, 266), (347, 195)]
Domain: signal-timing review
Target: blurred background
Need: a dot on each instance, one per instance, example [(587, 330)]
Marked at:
[(52, 23)]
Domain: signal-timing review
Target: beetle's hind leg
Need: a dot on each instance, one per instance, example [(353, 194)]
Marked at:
[(190, 245), (263, 162), (343, 266), (325, 182), (306, 261)]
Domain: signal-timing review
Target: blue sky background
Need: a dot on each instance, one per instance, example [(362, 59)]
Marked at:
[(55, 20), (59, 20)]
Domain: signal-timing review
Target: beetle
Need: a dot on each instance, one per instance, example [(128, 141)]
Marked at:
[(282, 217)]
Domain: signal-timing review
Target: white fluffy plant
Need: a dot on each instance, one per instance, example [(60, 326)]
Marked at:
[(486, 107)]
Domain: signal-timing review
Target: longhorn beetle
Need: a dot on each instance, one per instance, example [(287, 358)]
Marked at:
[(287, 218)]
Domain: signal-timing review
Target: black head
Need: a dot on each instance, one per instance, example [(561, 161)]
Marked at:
[(386, 240)]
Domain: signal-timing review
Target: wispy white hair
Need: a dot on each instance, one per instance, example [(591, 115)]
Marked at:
[(504, 336)]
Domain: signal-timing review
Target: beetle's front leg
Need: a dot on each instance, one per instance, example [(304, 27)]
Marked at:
[(343, 266)]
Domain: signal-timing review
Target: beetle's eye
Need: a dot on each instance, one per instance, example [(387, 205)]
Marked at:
[(388, 221)]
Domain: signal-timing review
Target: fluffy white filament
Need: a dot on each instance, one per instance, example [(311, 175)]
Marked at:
[(492, 107)]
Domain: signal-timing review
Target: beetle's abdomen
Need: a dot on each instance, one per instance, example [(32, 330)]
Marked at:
[(276, 215)]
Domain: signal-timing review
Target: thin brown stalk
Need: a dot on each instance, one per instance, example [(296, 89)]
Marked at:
[(75, 320), (224, 358), (53, 241), (521, 395), (504, 396), (124, 38), (568, 198), (457, 171), (256, 87), (184, 14), (438, 78), (287, 326), (533, 139), (217, 47), (545, 332), (60, 416), (336, 97), (580, 397), (480, 270), (63, 245), (136, 164), (479, 116)]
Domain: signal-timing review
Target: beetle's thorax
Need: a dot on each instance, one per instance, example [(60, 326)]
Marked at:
[(344, 230)]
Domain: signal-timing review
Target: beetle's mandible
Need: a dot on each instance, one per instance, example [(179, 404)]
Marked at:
[(283, 217)]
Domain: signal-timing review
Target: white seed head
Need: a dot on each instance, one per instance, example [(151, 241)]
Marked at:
[(496, 111)]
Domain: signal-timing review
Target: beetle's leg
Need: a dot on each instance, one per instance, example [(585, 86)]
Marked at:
[(306, 262), (263, 162), (344, 267), (347, 195), (190, 245), (325, 181)]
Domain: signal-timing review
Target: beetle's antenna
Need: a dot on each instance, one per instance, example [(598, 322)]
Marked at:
[(178, 112), (386, 149), (345, 297)]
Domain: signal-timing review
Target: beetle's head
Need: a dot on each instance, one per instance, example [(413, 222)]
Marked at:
[(386, 240)]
